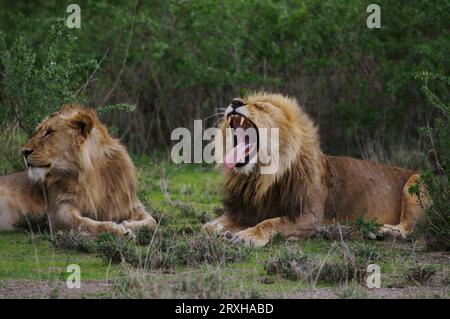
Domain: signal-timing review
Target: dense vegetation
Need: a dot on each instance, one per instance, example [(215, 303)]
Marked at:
[(182, 60)]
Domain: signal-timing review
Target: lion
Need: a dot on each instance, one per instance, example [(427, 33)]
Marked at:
[(78, 175), (309, 188)]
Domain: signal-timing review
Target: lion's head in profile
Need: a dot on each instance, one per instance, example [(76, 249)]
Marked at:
[(72, 154), (62, 142)]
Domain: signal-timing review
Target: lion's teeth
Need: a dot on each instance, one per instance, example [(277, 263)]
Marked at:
[(242, 121)]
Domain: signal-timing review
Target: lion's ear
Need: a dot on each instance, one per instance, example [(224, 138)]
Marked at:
[(82, 121)]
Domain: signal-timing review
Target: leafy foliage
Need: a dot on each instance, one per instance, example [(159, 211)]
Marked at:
[(436, 225), (37, 80), (179, 60)]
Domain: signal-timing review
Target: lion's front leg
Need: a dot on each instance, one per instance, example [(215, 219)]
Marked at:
[(140, 218), (223, 226), (262, 233), (68, 216)]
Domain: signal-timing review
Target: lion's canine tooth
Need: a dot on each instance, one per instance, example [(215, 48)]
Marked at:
[(242, 120)]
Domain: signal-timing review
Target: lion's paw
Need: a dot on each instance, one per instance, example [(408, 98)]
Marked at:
[(250, 237), (394, 231), (213, 227), (123, 231)]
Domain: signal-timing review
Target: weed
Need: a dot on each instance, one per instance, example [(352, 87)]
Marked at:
[(420, 274), (369, 228), (73, 239), (33, 224), (341, 266), (334, 232)]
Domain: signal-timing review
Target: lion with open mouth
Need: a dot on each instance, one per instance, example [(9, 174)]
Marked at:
[(308, 188)]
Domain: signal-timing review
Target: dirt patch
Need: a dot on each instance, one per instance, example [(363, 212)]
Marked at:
[(381, 293), (20, 289)]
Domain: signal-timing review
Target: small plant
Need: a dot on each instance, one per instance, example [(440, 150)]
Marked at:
[(72, 239), (334, 232), (144, 236), (420, 274), (117, 250), (341, 266), (33, 224), (368, 228), (201, 249), (289, 263)]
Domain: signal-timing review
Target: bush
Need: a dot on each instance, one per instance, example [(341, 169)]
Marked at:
[(435, 227), (37, 80), (33, 224), (75, 240), (183, 59), (343, 265), (420, 274)]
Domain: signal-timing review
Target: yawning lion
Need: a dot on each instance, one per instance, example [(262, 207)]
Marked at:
[(308, 188)]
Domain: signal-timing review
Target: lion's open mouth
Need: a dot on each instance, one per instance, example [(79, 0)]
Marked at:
[(245, 140)]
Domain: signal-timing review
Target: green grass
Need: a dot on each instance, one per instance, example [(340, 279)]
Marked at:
[(183, 197), (24, 258)]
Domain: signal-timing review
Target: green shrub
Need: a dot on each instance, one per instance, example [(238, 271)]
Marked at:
[(33, 224), (420, 274), (435, 227), (202, 249), (72, 239), (343, 265), (182, 59), (117, 250), (37, 80), (368, 228)]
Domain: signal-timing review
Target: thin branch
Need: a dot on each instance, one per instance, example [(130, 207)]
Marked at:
[(125, 58), (88, 81)]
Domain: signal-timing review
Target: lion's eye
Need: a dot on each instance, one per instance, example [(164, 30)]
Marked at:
[(261, 107), (48, 132)]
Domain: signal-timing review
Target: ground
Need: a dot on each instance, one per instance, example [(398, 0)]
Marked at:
[(182, 198)]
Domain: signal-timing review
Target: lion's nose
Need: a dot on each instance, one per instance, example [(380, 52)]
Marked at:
[(237, 103), (27, 152)]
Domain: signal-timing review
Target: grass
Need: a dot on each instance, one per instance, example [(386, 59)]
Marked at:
[(178, 261), (21, 257)]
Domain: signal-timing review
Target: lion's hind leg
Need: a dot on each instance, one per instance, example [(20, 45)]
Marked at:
[(413, 209)]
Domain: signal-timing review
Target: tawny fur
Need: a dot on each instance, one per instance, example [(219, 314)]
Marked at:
[(85, 178), (309, 188)]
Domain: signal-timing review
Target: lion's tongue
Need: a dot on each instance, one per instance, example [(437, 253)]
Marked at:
[(235, 155)]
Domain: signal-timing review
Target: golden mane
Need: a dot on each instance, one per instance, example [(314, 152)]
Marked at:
[(299, 159), (309, 188), (88, 178)]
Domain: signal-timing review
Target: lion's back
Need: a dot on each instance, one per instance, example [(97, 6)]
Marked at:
[(360, 187)]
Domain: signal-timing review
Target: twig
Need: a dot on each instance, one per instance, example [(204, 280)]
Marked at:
[(83, 87), (125, 58)]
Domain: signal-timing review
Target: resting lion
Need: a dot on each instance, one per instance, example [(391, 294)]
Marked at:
[(77, 174), (309, 188)]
